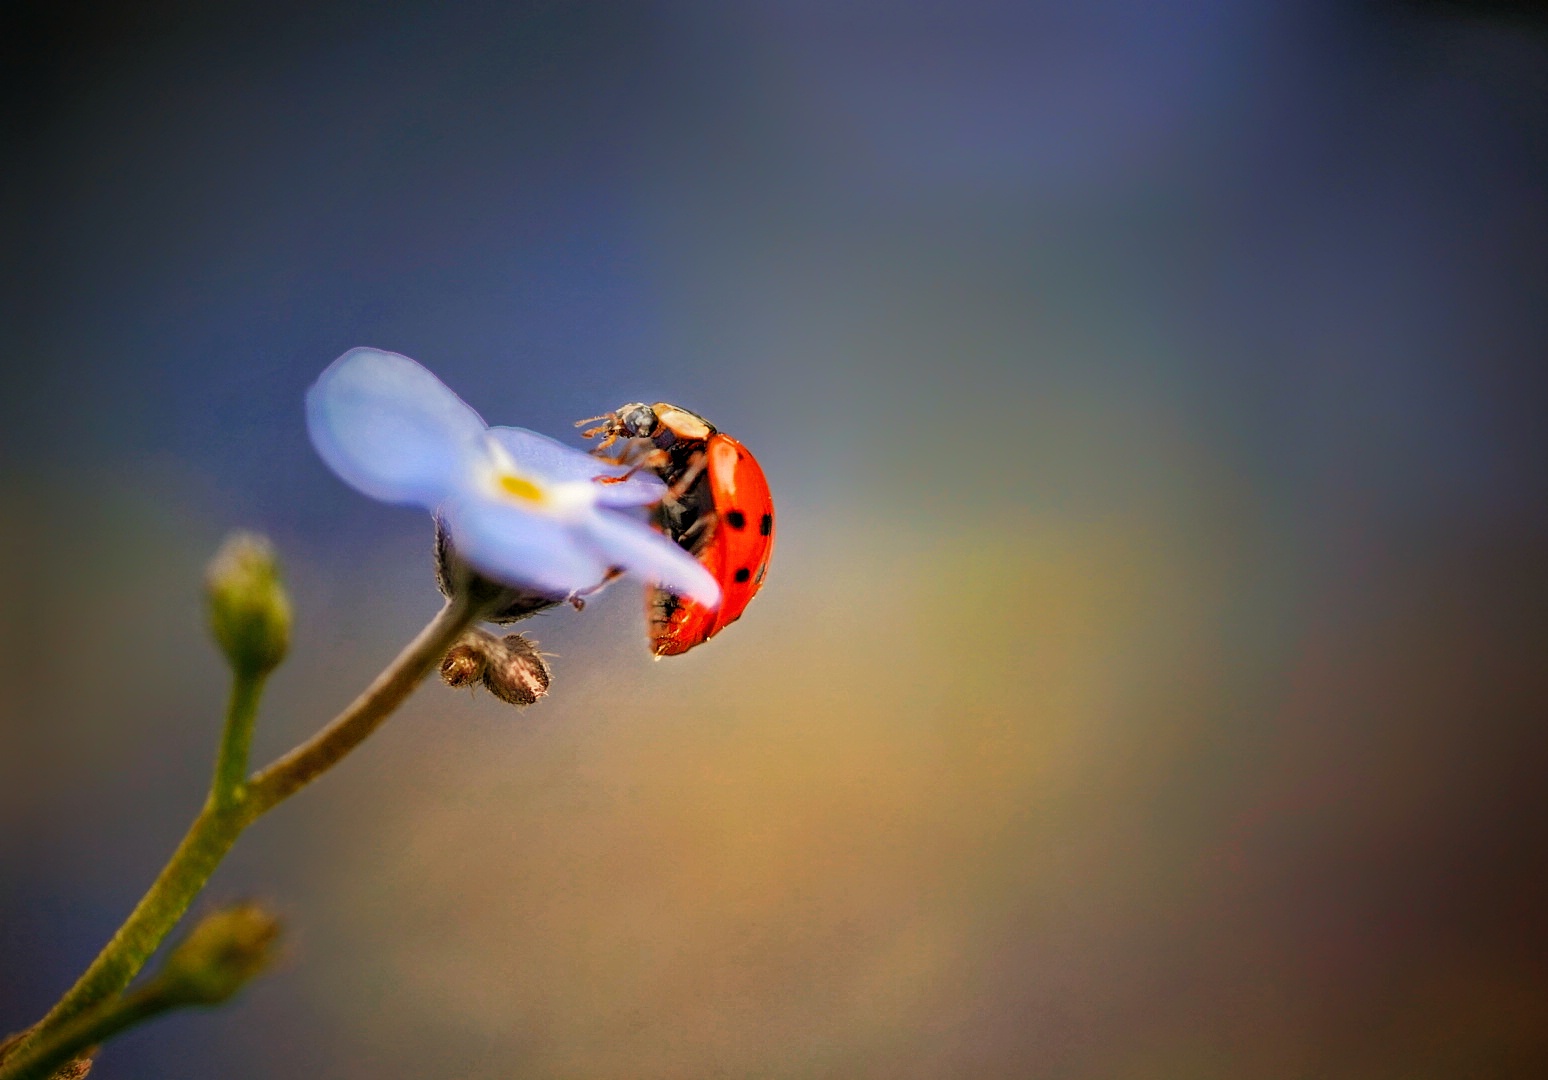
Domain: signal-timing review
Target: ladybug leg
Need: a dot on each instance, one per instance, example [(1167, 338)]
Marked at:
[(609, 428), (650, 459), (577, 599), (641, 459), (690, 474), (675, 493), (705, 522), (611, 438), (631, 453)]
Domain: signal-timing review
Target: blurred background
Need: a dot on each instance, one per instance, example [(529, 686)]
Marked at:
[(1150, 680)]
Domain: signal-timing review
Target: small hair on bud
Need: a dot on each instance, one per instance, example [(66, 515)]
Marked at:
[(510, 668), (463, 665), (249, 609), (220, 955), (519, 676)]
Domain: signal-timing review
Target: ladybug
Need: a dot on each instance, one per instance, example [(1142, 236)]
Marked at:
[(718, 509)]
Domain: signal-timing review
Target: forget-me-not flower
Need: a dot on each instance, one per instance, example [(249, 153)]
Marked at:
[(519, 507)]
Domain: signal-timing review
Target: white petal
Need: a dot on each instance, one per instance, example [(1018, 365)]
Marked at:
[(389, 428), (519, 547), (540, 456), (641, 550), (547, 458), (641, 489)]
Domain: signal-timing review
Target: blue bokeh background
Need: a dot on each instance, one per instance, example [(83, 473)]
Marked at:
[(1150, 679)]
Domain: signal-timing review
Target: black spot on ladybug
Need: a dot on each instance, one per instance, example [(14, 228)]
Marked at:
[(742, 574), (736, 519), (766, 525)]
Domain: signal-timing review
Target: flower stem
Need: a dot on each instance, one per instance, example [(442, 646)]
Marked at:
[(209, 838), (228, 788), (41, 1057), (221, 955), (365, 714), (227, 812)]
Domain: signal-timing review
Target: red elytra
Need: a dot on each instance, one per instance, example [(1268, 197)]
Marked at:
[(721, 511)]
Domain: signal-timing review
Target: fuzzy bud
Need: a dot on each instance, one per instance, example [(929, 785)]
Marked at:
[(249, 611), (518, 673), (220, 955), (463, 665), (510, 668)]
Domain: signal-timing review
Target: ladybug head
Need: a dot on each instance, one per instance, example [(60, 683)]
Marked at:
[(637, 420)]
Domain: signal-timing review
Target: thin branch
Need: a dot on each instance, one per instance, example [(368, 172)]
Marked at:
[(38, 1058), (228, 789), (221, 822), (364, 715)]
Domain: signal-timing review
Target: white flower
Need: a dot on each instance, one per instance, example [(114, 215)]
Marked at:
[(521, 508)]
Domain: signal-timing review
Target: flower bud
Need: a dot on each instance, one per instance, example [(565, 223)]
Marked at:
[(249, 611), (517, 673), (510, 668), (222, 953), (463, 664)]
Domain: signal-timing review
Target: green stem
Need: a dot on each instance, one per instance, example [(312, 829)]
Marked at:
[(209, 838), (70, 1040), (365, 714), (221, 822), (228, 788)]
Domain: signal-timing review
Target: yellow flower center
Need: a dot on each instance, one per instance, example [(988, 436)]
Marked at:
[(521, 488)]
